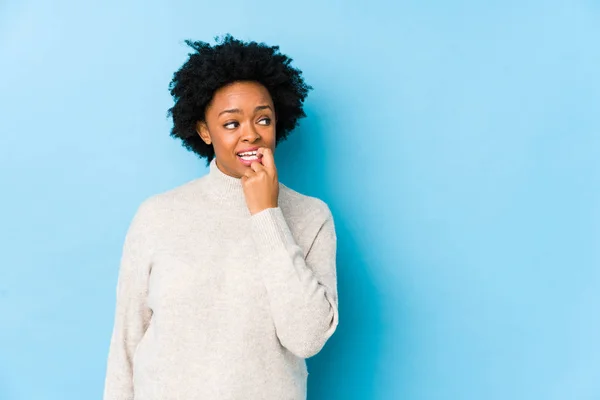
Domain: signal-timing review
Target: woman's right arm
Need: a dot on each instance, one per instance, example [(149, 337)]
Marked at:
[(132, 314)]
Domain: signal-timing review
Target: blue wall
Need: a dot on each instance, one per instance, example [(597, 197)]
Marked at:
[(457, 144)]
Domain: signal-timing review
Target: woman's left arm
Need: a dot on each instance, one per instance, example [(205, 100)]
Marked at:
[(302, 291)]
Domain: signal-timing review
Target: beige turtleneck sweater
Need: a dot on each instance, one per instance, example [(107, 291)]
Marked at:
[(214, 303)]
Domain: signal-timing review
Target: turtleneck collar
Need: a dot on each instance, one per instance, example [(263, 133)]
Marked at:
[(228, 190)]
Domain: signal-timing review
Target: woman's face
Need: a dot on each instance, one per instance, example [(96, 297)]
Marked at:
[(240, 118)]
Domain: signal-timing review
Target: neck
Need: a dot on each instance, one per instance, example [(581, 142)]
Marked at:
[(227, 189)]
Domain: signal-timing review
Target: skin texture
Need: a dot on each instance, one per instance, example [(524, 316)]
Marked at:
[(251, 124)]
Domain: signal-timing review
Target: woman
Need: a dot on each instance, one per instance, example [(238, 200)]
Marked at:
[(227, 283)]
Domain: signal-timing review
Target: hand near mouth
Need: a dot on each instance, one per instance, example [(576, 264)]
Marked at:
[(260, 183)]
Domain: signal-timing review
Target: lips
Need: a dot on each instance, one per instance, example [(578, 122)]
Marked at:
[(247, 157), (248, 149)]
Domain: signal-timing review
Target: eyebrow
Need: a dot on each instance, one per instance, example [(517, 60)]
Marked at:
[(238, 111)]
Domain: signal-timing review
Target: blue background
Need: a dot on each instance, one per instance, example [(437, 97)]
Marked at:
[(456, 143)]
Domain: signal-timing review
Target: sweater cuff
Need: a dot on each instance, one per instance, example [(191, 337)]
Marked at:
[(271, 232)]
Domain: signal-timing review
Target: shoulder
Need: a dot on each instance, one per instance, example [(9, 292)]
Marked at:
[(163, 203), (296, 205)]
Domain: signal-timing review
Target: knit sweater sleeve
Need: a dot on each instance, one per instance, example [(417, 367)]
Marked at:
[(302, 291), (132, 315)]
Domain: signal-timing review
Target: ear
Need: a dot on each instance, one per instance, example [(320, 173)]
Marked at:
[(202, 130)]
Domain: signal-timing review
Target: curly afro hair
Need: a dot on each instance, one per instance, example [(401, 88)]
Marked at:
[(212, 67)]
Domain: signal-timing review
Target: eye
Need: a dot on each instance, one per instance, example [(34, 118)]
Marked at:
[(231, 125), (266, 120)]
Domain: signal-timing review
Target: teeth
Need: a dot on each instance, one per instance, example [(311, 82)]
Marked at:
[(248, 153)]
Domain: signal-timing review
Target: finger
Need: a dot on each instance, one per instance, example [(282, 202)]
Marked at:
[(256, 166), (248, 173), (268, 161)]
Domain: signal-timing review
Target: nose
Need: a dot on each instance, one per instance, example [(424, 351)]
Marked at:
[(250, 134)]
